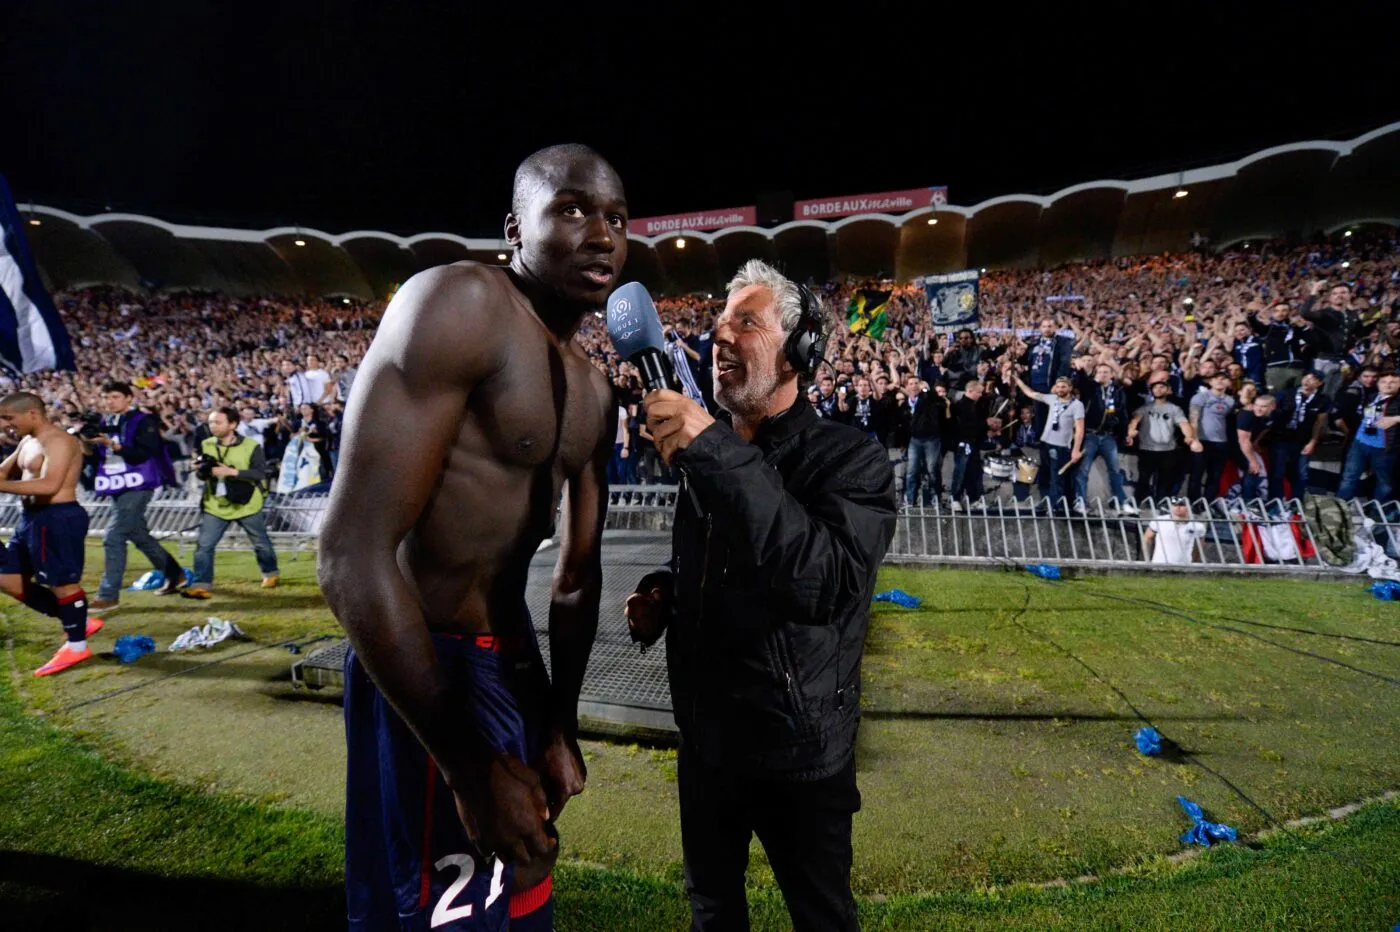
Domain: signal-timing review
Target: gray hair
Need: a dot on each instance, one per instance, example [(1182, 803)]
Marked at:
[(785, 296)]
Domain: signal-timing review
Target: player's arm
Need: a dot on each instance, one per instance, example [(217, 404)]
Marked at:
[(437, 341), (573, 610), (58, 460), (9, 469), (1148, 537)]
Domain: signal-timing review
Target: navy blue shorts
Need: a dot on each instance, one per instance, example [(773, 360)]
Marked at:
[(409, 864), (48, 545)]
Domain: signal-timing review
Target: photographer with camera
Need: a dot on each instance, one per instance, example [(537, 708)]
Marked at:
[(232, 468), (131, 462)]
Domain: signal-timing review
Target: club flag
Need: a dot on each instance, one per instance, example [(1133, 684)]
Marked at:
[(32, 336), (952, 300), (865, 315)]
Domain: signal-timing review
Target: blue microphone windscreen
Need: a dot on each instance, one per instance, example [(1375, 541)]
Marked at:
[(633, 323)]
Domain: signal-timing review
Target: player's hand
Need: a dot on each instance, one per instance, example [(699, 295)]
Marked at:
[(1132, 437), (224, 472), (1076, 455), (674, 421), (562, 771), (1310, 448), (646, 616), (1254, 468), (505, 812), (1197, 446)]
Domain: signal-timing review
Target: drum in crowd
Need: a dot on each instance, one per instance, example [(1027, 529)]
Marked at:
[(999, 467)]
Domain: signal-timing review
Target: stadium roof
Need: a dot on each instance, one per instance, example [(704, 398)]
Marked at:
[(1298, 188)]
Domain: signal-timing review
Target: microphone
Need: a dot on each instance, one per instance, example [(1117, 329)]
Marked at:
[(635, 330)]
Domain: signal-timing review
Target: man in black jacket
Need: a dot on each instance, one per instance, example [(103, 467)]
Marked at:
[(1336, 327), (1105, 410), (782, 522), (1283, 364), (1047, 356), (925, 412), (130, 449), (960, 362)]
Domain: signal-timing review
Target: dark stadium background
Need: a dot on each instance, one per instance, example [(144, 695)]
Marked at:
[(411, 117)]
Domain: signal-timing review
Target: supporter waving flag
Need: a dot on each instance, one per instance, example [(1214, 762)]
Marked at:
[(865, 314), (32, 336)]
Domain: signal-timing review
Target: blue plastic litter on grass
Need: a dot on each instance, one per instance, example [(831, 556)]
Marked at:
[(151, 580), (1043, 570), (1149, 741), (1203, 832), (154, 579), (131, 646), (899, 597), (1386, 590)]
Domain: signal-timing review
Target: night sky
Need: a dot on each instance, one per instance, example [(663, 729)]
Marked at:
[(409, 118)]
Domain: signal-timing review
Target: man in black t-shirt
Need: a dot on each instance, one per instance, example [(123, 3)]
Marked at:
[(1252, 427), (1302, 415), (969, 427)]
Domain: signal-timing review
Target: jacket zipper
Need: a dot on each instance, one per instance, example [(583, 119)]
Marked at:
[(787, 665)]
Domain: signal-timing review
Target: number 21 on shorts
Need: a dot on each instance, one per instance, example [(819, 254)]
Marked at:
[(445, 912)]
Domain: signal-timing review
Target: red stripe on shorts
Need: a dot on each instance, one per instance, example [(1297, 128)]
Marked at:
[(428, 834), (527, 901)]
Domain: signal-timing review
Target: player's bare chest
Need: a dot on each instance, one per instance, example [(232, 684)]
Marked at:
[(31, 457), (534, 415)]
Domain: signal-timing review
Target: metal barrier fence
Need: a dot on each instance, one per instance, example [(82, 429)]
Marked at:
[(173, 515), (1259, 536)]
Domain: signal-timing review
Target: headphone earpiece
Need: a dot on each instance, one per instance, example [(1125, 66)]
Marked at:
[(806, 345)]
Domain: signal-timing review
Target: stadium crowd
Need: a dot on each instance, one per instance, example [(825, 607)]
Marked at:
[(1270, 356)]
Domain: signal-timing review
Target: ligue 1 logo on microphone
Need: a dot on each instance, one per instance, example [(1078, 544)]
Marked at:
[(623, 306)]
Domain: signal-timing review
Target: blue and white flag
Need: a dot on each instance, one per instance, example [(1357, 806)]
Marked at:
[(32, 336), (952, 300)]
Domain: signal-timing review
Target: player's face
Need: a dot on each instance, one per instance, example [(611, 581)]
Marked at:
[(21, 423), (116, 402), (219, 425), (573, 235), (1047, 328), (747, 352)]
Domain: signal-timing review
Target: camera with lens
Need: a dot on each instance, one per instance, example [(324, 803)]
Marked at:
[(90, 426), (204, 466)]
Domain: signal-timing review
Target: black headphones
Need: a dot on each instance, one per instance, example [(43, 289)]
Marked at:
[(806, 345)]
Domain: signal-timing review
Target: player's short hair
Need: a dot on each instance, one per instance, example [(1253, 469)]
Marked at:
[(22, 401), (230, 414), (530, 174), (113, 385)]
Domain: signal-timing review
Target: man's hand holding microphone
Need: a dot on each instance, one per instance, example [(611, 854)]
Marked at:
[(673, 419)]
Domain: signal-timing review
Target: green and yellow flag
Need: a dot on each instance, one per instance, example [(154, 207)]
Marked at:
[(865, 315)]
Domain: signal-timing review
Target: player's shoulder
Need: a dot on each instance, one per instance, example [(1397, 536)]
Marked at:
[(462, 290), (449, 307)]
